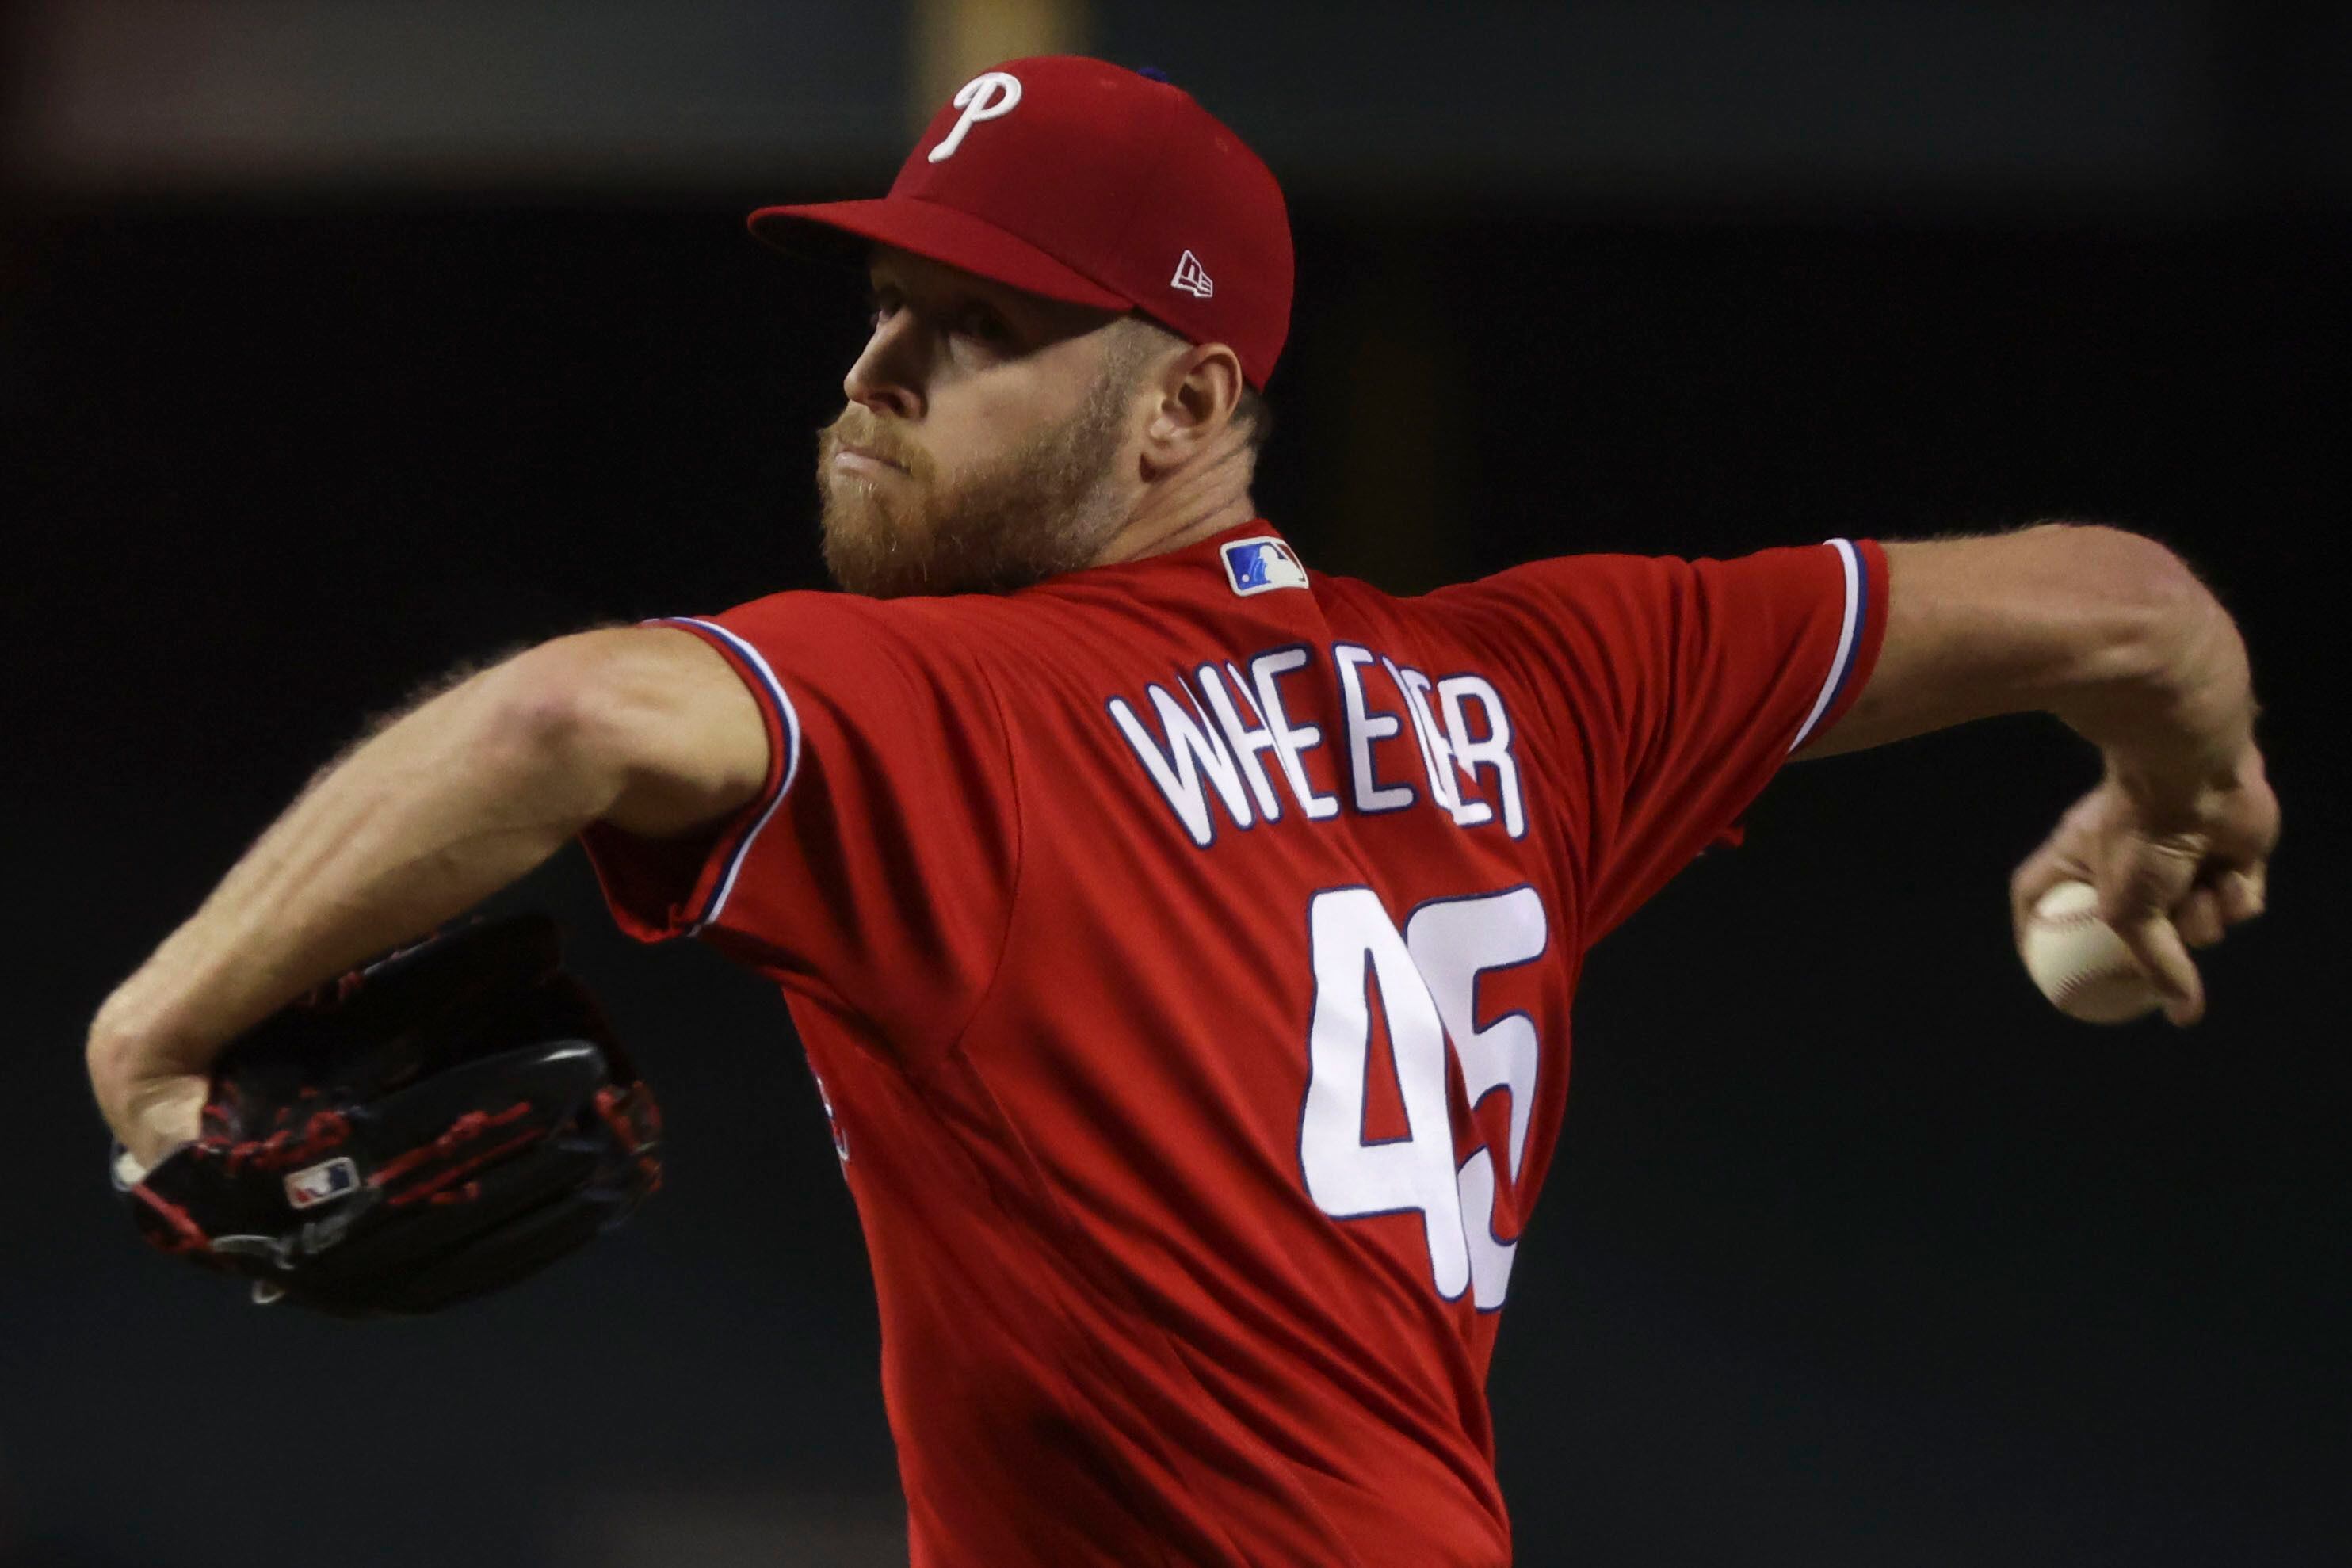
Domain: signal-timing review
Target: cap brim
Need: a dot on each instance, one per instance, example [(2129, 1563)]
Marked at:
[(941, 234)]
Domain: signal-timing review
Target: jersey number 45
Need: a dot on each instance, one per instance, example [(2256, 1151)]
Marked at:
[(1427, 980)]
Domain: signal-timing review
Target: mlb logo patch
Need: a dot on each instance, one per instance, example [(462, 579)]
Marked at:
[(319, 1184), (1261, 565)]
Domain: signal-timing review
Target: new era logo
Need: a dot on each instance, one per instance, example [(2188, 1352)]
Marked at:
[(319, 1184), (1261, 566), (1192, 277)]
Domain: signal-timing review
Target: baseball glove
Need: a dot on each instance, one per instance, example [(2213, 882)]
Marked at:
[(440, 1124)]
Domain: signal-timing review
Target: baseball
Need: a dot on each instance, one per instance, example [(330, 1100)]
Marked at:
[(2080, 963)]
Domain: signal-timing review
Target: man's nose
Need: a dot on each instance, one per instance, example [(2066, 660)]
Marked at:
[(886, 376)]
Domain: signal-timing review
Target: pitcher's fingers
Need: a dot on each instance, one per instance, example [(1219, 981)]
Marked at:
[(2157, 944), (2199, 917), (2241, 893)]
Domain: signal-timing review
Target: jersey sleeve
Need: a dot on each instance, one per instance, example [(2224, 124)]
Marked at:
[(874, 873), (1670, 692)]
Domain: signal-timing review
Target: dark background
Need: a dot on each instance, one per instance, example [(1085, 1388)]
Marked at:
[(1854, 1253)]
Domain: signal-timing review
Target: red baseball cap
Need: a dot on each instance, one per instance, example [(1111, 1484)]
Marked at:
[(1083, 181)]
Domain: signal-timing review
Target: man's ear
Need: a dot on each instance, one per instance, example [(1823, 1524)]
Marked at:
[(1196, 391)]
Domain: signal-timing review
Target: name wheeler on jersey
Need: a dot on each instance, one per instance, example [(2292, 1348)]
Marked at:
[(1207, 738)]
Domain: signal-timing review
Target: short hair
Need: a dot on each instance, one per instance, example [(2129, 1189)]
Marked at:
[(1255, 416)]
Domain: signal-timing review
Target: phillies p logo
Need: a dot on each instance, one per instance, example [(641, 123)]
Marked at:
[(988, 96)]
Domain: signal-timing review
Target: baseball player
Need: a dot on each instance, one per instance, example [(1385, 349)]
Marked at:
[(1184, 939)]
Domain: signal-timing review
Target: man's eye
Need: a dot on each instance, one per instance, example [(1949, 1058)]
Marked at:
[(983, 325)]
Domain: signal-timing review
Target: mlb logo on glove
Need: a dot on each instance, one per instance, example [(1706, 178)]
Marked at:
[(322, 1184)]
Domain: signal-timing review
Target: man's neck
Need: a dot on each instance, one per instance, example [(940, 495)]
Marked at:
[(1185, 509)]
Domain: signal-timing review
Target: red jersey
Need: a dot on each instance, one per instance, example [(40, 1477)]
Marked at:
[(1185, 949)]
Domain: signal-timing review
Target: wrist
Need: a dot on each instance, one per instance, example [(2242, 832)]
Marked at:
[(143, 1033), (2172, 707)]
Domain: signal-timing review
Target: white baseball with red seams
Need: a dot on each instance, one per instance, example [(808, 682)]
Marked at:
[(2080, 963)]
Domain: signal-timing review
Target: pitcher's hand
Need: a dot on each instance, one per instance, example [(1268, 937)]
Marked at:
[(151, 1113), (2172, 873)]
